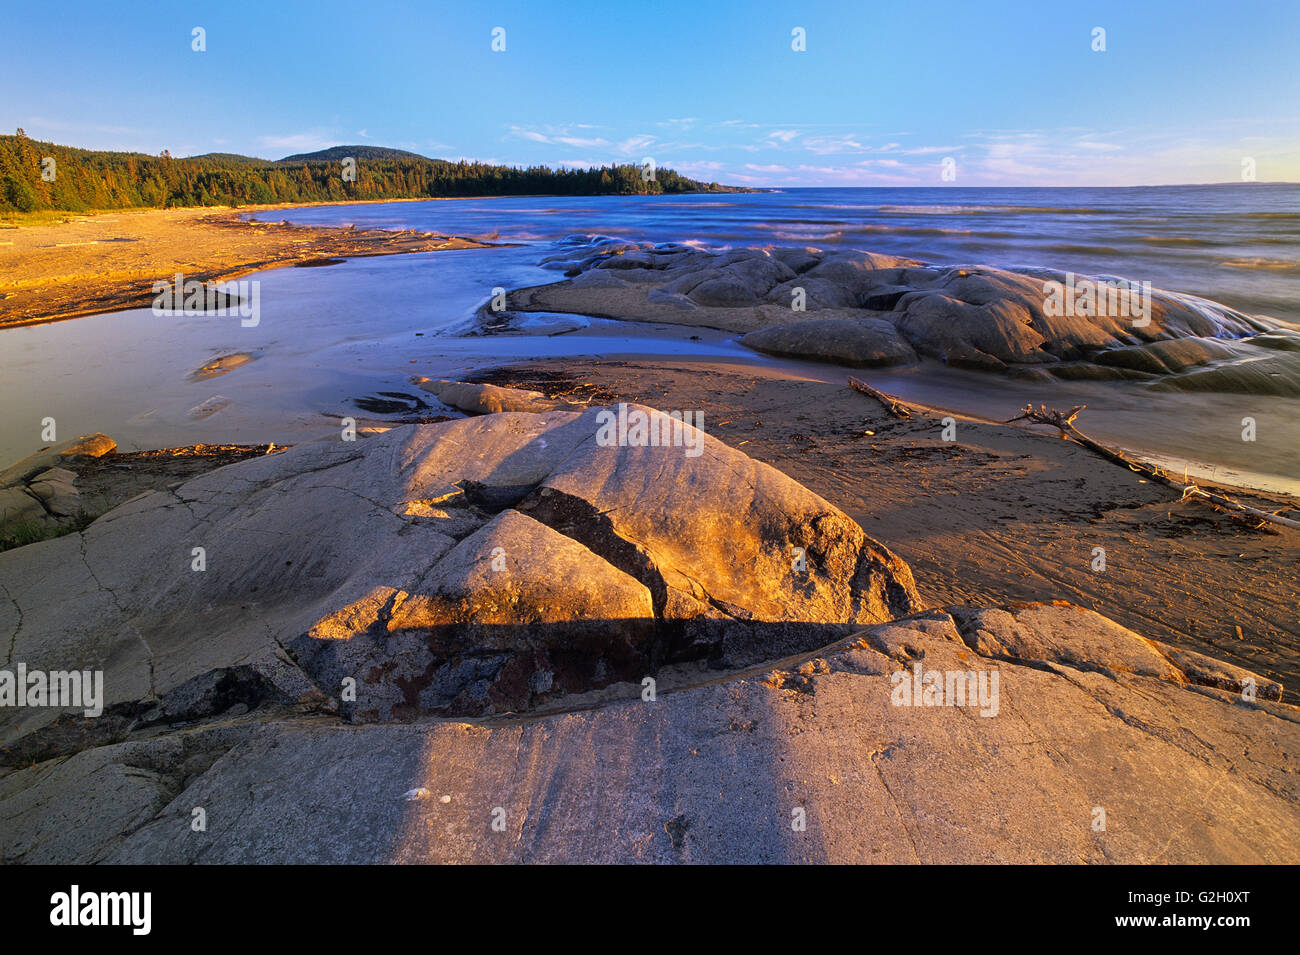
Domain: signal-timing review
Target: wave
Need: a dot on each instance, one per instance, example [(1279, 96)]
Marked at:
[(782, 230), (993, 210), (916, 230), (1175, 240), (1081, 249), (1267, 265), (804, 237)]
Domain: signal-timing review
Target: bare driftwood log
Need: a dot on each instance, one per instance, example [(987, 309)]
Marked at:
[(894, 407), (1064, 421)]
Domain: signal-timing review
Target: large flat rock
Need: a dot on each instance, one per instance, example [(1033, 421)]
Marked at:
[(1117, 754)]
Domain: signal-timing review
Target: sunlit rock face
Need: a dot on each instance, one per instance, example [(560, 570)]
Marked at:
[(38, 496), (475, 566), (863, 309)]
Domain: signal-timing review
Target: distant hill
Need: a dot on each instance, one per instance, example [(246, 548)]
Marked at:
[(336, 153), (232, 158), (84, 179)]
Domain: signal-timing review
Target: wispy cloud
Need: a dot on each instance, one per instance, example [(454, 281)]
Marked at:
[(305, 142), (635, 144), (782, 135), (560, 136), (828, 154)]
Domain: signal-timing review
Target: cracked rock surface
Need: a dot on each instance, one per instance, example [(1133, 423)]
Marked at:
[(1089, 717)]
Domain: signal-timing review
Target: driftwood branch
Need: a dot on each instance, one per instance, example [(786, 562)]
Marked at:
[(892, 405), (1064, 422)]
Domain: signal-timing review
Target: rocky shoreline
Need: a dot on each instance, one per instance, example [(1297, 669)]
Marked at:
[(503, 638), (612, 611), (862, 309)]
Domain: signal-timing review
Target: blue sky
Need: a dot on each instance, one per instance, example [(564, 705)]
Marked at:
[(1012, 92)]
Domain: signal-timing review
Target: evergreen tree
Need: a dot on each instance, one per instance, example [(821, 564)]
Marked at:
[(105, 180)]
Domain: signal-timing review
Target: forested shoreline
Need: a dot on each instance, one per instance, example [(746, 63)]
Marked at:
[(80, 180)]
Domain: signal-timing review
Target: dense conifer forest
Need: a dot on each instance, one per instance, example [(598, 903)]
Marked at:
[(82, 179)]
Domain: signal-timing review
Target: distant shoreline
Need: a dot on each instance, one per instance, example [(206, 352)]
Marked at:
[(108, 261), (42, 283)]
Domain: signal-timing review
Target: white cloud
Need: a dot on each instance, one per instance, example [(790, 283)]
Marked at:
[(635, 144), (298, 142), (529, 134), (823, 145), (578, 142), (560, 136)]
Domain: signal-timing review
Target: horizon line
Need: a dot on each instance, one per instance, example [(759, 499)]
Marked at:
[(615, 164)]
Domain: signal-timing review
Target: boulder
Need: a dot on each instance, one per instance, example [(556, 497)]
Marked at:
[(38, 494), (18, 506), (485, 399), (980, 317), (959, 332), (860, 342), (861, 272), (56, 490), (817, 294), (473, 566), (87, 446)]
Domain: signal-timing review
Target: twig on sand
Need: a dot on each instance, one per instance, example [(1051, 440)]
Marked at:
[(893, 406), (1064, 421)]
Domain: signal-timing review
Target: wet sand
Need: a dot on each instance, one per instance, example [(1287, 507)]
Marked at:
[(108, 261), (1003, 513)]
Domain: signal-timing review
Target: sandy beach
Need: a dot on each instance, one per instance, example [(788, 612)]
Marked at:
[(89, 264)]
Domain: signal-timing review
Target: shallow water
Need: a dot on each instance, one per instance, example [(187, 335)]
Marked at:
[(1238, 244), (325, 337), (329, 336)]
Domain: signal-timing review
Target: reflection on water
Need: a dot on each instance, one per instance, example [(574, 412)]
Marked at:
[(326, 337)]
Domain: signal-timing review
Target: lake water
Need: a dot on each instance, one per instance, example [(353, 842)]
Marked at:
[(328, 336), (1237, 244)]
